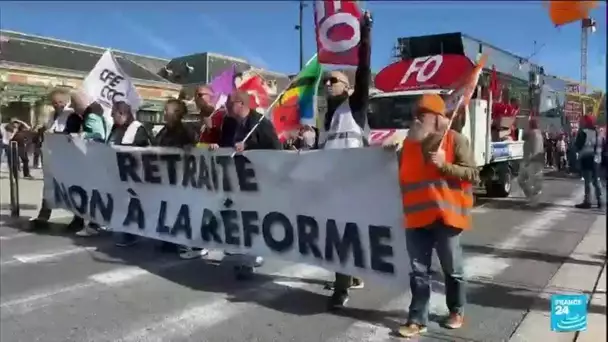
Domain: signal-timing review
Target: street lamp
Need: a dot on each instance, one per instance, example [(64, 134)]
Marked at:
[(299, 28)]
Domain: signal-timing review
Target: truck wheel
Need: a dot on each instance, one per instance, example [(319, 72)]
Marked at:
[(502, 187)]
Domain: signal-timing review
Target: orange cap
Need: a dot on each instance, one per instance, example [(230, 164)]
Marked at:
[(431, 104)]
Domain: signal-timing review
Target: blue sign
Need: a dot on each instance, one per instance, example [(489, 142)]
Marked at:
[(569, 313), (500, 150)]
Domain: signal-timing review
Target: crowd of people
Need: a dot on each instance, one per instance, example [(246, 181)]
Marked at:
[(436, 185)]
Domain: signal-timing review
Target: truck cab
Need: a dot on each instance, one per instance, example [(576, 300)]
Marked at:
[(391, 114), (433, 64)]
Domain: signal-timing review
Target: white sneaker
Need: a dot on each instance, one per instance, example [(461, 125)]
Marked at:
[(188, 253), (259, 261), (87, 231)]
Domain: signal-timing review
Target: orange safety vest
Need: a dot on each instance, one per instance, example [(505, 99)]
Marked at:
[(429, 195)]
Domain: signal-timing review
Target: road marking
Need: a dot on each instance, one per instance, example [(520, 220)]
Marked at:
[(486, 266), (15, 236), (4, 263), (186, 322), (111, 278), (482, 209), (36, 258), (125, 274), (40, 299)]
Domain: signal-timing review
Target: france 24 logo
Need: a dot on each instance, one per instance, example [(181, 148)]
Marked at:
[(569, 313)]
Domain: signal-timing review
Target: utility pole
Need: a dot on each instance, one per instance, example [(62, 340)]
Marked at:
[(301, 31)]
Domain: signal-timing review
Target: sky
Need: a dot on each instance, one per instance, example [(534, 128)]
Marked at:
[(263, 32)]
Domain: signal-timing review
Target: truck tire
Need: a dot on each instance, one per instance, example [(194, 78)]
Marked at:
[(500, 188)]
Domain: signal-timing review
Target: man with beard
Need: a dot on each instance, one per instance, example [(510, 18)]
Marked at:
[(436, 174), (345, 126)]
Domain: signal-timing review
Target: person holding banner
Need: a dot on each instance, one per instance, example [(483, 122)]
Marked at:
[(94, 125), (246, 130), (436, 175), (126, 131), (176, 134), (211, 119), (65, 120), (344, 126)]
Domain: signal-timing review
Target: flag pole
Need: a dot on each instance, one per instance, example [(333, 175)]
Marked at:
[(275, 102)]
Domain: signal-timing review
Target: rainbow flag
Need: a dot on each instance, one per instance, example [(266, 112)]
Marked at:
[(297, 105)]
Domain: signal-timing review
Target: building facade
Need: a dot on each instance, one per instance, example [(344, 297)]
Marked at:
[(31, 66)]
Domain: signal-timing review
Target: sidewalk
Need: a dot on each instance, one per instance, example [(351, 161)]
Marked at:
[(30, 197), (587, 275)]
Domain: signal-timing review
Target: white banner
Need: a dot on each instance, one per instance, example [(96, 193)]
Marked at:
[(338, 209), (108, 83)]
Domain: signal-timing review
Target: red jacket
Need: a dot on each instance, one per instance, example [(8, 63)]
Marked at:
[(211, 135)]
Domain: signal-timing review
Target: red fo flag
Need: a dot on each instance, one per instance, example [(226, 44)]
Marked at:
[(258, 94), (337, 27)]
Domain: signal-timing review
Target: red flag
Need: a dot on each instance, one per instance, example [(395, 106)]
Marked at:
[(494, 84), (258, 94), (337, 27), (286, 117), (464, 88)]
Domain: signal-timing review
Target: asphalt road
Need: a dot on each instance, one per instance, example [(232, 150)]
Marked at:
[(58, 288)]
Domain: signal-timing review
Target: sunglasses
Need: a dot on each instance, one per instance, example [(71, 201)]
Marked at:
[(332, 80)]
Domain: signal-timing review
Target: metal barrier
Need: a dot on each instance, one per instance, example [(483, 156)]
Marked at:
[(13, 177)]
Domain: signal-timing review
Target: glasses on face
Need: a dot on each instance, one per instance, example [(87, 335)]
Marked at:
[(332, 80)]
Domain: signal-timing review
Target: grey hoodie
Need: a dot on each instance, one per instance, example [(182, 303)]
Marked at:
[(534, 149)]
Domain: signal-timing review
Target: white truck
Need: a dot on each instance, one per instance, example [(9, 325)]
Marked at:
[(391, 113)]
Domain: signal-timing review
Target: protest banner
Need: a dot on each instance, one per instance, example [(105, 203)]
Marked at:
[(108, 83), (339, 209)]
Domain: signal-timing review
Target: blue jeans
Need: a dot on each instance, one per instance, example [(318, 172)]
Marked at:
[(420, 243), (591, 176)]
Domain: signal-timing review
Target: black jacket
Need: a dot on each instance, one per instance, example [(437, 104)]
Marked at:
[(264, 137), (142, 138), (178, 136)]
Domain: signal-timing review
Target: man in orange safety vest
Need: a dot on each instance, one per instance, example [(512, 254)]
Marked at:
[(436, 176)]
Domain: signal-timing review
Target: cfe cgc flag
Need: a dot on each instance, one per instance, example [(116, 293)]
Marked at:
[(108, 83)]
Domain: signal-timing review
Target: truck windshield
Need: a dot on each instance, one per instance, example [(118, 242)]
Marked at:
[(395, 112)]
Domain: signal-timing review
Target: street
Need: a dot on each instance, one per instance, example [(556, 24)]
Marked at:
[(56, 287)]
